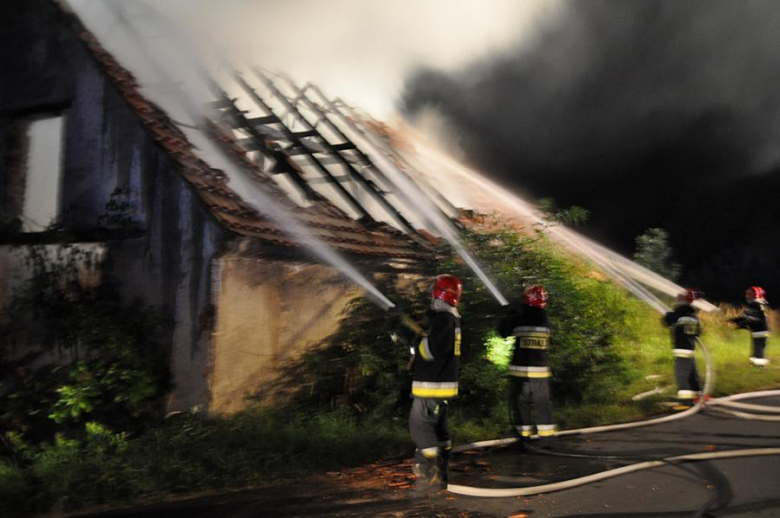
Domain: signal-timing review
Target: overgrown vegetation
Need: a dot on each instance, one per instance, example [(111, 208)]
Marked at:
[(94, 433), (654, 252), (360, 368), (80, 371)]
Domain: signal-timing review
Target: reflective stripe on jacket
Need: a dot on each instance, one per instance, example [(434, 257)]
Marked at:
[(754, 318), (437, 359), (684, 327), (532, 341), (521, 371)]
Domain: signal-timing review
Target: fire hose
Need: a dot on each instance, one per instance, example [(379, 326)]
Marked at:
[(646, 464), (567, 484), (410, 324), (730, 401), (709, 382)]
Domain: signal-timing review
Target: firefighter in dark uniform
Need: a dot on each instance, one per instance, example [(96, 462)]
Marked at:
[(529, 371), (434, 382), (754, 319), (685, 330)]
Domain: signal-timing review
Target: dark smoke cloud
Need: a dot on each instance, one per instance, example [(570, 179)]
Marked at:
[(649, 113)]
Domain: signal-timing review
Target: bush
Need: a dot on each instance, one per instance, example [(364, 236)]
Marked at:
[(360, 368), (349, 400), (15, 492), (654, 252), (94, 371)]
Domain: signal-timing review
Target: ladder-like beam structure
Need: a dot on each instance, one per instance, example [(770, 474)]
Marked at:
[(256, 142), (348, 119), (296, 141), (269, 134), (336, 151), (350, 116)]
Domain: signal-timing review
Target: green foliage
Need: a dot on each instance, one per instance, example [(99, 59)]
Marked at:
[(15, 491), (498, 351), (349, 398), (587, 312), (360, 367), (187, 453), (88, 359), (50, 476), (654, 252), (573, 216)]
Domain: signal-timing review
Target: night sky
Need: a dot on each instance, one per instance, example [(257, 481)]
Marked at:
[(662, 113)]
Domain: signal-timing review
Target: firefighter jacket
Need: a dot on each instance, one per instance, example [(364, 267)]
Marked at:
[(531, 330), (685, 328), (754, 318), (437, 358)]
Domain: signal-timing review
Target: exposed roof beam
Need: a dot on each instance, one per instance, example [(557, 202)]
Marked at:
[(297, 142), (258, 141), (348, 120), (261, 121), (335, 149)]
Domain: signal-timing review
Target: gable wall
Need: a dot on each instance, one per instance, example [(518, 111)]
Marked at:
[(269, 312), (111, 161)]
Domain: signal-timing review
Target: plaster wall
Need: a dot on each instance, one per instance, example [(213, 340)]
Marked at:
[(268, 312), (82, 262)]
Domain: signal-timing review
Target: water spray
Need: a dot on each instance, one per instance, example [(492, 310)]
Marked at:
[(280, 215), (620, 268), (420, 203), (624, 271), (249, 189)]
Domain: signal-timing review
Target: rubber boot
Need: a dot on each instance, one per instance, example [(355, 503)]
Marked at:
[(428, 473)]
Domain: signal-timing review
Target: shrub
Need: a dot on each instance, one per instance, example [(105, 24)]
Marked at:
[(89, 358), (360, 368)]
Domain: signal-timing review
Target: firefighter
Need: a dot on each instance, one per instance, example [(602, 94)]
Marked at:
[(685, 330), (529, 371), (434, 383), (754, 318)]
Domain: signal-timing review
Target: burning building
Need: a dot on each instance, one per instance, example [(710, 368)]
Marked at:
[(90, 163), (245, 209)]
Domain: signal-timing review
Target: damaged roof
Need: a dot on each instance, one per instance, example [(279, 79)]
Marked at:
[(283, 146)]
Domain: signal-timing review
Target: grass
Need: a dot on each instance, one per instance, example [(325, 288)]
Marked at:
[(189, 453), (651, 366), (610, 347)]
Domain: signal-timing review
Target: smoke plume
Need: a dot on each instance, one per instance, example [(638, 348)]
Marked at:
[(649, 113)]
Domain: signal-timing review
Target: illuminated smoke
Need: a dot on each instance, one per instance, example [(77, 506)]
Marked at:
[(180, 89), (477, 192), (657, 113), (186, 91), (420, 203)]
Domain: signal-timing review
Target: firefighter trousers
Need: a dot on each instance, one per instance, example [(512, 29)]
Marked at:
[(759, 344), (688, 384), (527, 395), (429, 429)]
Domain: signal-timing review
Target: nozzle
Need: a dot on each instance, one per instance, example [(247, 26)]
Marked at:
[(406, 331), (411, 324)]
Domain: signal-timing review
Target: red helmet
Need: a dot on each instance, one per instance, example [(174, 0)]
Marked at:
[(755, 292), (535, 296), (447, 288), (689, 296)]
